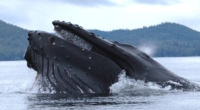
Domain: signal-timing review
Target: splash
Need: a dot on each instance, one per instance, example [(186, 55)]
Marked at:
[(148, 49), (39, 86), (126, 84)]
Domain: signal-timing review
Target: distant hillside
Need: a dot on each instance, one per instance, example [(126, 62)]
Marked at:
[(13, 42), (166, 39)]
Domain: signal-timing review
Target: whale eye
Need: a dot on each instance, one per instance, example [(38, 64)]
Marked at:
[(51, 39)]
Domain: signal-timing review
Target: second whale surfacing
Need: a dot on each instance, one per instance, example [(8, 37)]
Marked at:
[(78, 61)]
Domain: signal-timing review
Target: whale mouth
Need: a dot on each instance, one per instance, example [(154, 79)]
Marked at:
[(78, 39), (72, 38)]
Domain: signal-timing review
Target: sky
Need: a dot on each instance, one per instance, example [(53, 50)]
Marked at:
[(104, 15)]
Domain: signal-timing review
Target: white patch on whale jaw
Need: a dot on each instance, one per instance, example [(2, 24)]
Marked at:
[(73, 38)]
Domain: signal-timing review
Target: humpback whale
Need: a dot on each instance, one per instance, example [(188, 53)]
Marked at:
[(77, 61)]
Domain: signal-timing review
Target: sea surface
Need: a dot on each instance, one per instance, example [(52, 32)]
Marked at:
[(17, 91)]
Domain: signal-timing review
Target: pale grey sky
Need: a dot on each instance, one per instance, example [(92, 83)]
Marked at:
[(100, 14)]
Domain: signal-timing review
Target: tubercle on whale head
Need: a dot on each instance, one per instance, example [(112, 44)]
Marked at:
[(27, 55), (72, 28)]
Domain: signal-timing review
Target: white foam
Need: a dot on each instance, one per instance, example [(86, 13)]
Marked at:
[(126, 84), (174, 83)]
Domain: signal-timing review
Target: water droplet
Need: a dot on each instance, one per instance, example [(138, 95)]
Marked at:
[(40, 38), (89, 68), (90, 57), (54, 43)]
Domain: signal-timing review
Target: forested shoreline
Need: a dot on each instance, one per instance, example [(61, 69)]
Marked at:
[(167, 39)]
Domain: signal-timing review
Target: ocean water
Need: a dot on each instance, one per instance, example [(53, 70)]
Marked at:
[(17, 91)]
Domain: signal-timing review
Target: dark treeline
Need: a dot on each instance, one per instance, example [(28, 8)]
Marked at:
[(13, 42), (170, 39)]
